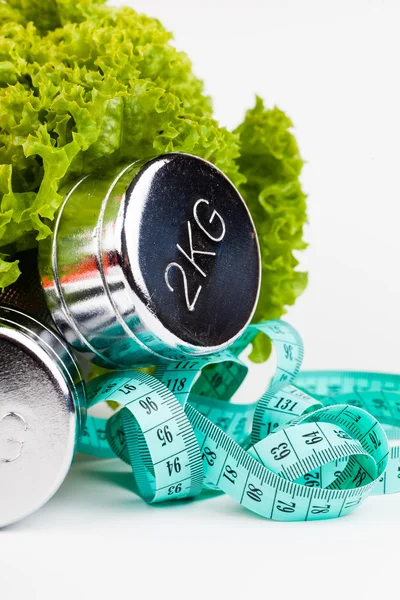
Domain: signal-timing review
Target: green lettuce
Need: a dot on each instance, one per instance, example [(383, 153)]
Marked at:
[(83, 85), (271, 162)]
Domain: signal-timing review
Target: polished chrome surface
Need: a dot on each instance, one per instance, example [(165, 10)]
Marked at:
[(42, 412), (155, 260)]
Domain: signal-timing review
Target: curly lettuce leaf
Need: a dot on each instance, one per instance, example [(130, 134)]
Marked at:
[(49, 14), (271, 162), (84, 86)]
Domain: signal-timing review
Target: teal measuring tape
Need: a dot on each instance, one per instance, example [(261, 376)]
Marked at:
[(313, 447)]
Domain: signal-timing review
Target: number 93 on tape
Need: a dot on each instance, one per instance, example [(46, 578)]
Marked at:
[(314, 446)]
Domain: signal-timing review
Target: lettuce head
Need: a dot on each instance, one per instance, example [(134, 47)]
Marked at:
[(83, 85)]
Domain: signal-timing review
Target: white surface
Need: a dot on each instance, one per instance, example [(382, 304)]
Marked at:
[(333, 66)]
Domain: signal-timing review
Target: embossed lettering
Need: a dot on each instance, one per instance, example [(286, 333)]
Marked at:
[(190, 305), (15, 445), (193, 252), (213, 215), (191, 255)]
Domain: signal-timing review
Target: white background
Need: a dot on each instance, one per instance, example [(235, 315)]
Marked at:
[(334, 67)]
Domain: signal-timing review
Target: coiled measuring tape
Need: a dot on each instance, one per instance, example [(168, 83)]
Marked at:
[(313, 447)]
